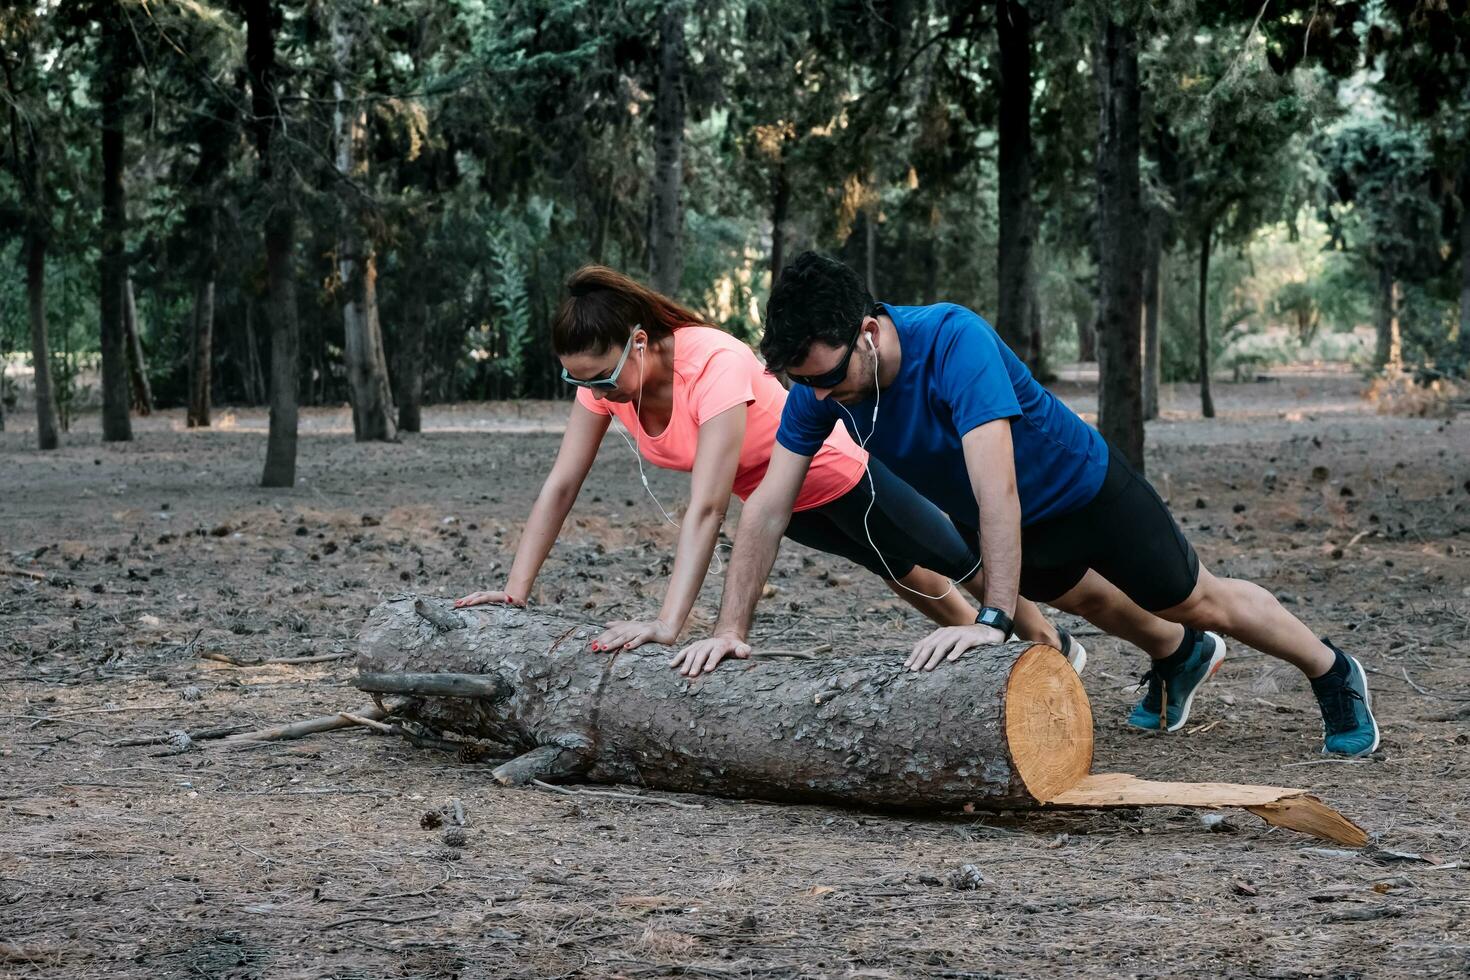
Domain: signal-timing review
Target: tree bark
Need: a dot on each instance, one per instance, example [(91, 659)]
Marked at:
[(1007, 727), (780, 208), (411, 364), (1206, 400), (1464, 342), (1087, 340), (280, 244), (47, 435), (1389, 352), (1017, 227), (117, 426), (666, 246), (142, 391), (367, 364), (870, 249), (201, 346), (1120, 238), (1153, 298)]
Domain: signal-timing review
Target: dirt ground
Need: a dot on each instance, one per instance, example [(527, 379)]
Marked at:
[(309, 859)]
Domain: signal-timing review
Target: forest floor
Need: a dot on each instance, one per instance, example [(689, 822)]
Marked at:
[(308, 859)]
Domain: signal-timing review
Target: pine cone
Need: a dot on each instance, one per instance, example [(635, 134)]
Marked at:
[(455, 837)]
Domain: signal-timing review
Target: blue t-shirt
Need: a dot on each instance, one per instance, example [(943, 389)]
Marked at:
[(956, 375)]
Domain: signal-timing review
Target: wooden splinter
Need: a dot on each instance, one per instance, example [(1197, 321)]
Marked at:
[(1007, 727)]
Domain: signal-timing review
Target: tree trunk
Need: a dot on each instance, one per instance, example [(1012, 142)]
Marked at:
[(1153, 299), (47, 436), (1017, 228), (142, 391), (780, 208), (1120, 239), (201, 347), (411, 364), (1464, 342), (1040, 369), (252, 376), (666, 246), (280, 245), (1206, 400), (870, 249), (1006, 727), (1087, 340), (1389, 353), (367, 365), (117, 426)]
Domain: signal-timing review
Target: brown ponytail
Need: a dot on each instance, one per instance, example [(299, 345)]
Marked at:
[(603, 306)]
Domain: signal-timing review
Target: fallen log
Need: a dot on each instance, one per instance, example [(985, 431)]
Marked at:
[(1008, 727)]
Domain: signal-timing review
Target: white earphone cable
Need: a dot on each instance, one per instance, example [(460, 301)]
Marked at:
[(873, 488)]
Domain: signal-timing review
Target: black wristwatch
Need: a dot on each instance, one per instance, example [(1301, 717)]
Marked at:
[(991, 616)]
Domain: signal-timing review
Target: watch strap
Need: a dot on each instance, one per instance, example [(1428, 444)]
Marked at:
[(991, 616)]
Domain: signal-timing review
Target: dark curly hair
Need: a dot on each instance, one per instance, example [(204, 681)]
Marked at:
[(816, 298)]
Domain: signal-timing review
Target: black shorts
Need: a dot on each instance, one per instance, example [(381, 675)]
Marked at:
[(1126, 534), (906, 528)]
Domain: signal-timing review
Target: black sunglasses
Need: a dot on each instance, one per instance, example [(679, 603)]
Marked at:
[(834, 377)]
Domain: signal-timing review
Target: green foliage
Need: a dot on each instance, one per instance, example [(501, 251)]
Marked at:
[(509, 142)]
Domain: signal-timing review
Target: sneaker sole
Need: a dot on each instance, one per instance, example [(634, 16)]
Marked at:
[(1215, 661), (1078, 657), (1367, 700)]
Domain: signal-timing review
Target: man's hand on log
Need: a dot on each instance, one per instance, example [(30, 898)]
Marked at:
[(632, 633), (488, 599), (948, 642), (705, 655)]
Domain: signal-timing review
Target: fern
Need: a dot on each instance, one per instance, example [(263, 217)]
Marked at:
[(513, 316)]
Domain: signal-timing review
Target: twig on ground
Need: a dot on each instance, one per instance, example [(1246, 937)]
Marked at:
[(379, 918), (225, 658), (24, 573), (608, 794), (312, 726), (202, 735), (369, 723)]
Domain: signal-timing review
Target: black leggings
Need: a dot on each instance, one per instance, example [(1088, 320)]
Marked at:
[(907, 529)]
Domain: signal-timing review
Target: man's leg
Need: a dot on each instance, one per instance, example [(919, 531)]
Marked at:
[(1105, 606), (1248, 613), (1129, 538)]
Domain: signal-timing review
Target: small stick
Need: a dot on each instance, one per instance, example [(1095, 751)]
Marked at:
[(225, 658), (369, 723), (608, 794), (311, 726), (202, 735), (379, 918), (24, 573)]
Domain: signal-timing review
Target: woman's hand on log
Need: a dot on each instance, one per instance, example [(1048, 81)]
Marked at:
[(948, 642), (633, 633), (488, 599), (705, 655)]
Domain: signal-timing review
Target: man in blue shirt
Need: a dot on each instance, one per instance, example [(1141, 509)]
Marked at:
[(934, 394)]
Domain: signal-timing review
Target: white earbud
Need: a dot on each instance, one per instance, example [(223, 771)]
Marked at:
[(871, 346)]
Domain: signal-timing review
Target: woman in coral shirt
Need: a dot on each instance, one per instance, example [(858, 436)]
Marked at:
[(698, 400)]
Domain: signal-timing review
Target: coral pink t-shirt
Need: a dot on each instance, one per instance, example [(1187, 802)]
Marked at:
[(714, 372)]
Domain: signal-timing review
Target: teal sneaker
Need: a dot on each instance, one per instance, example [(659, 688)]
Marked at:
[(1165, 707), (1348, 725)]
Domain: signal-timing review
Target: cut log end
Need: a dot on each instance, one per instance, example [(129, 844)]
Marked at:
[(1048, 723)]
